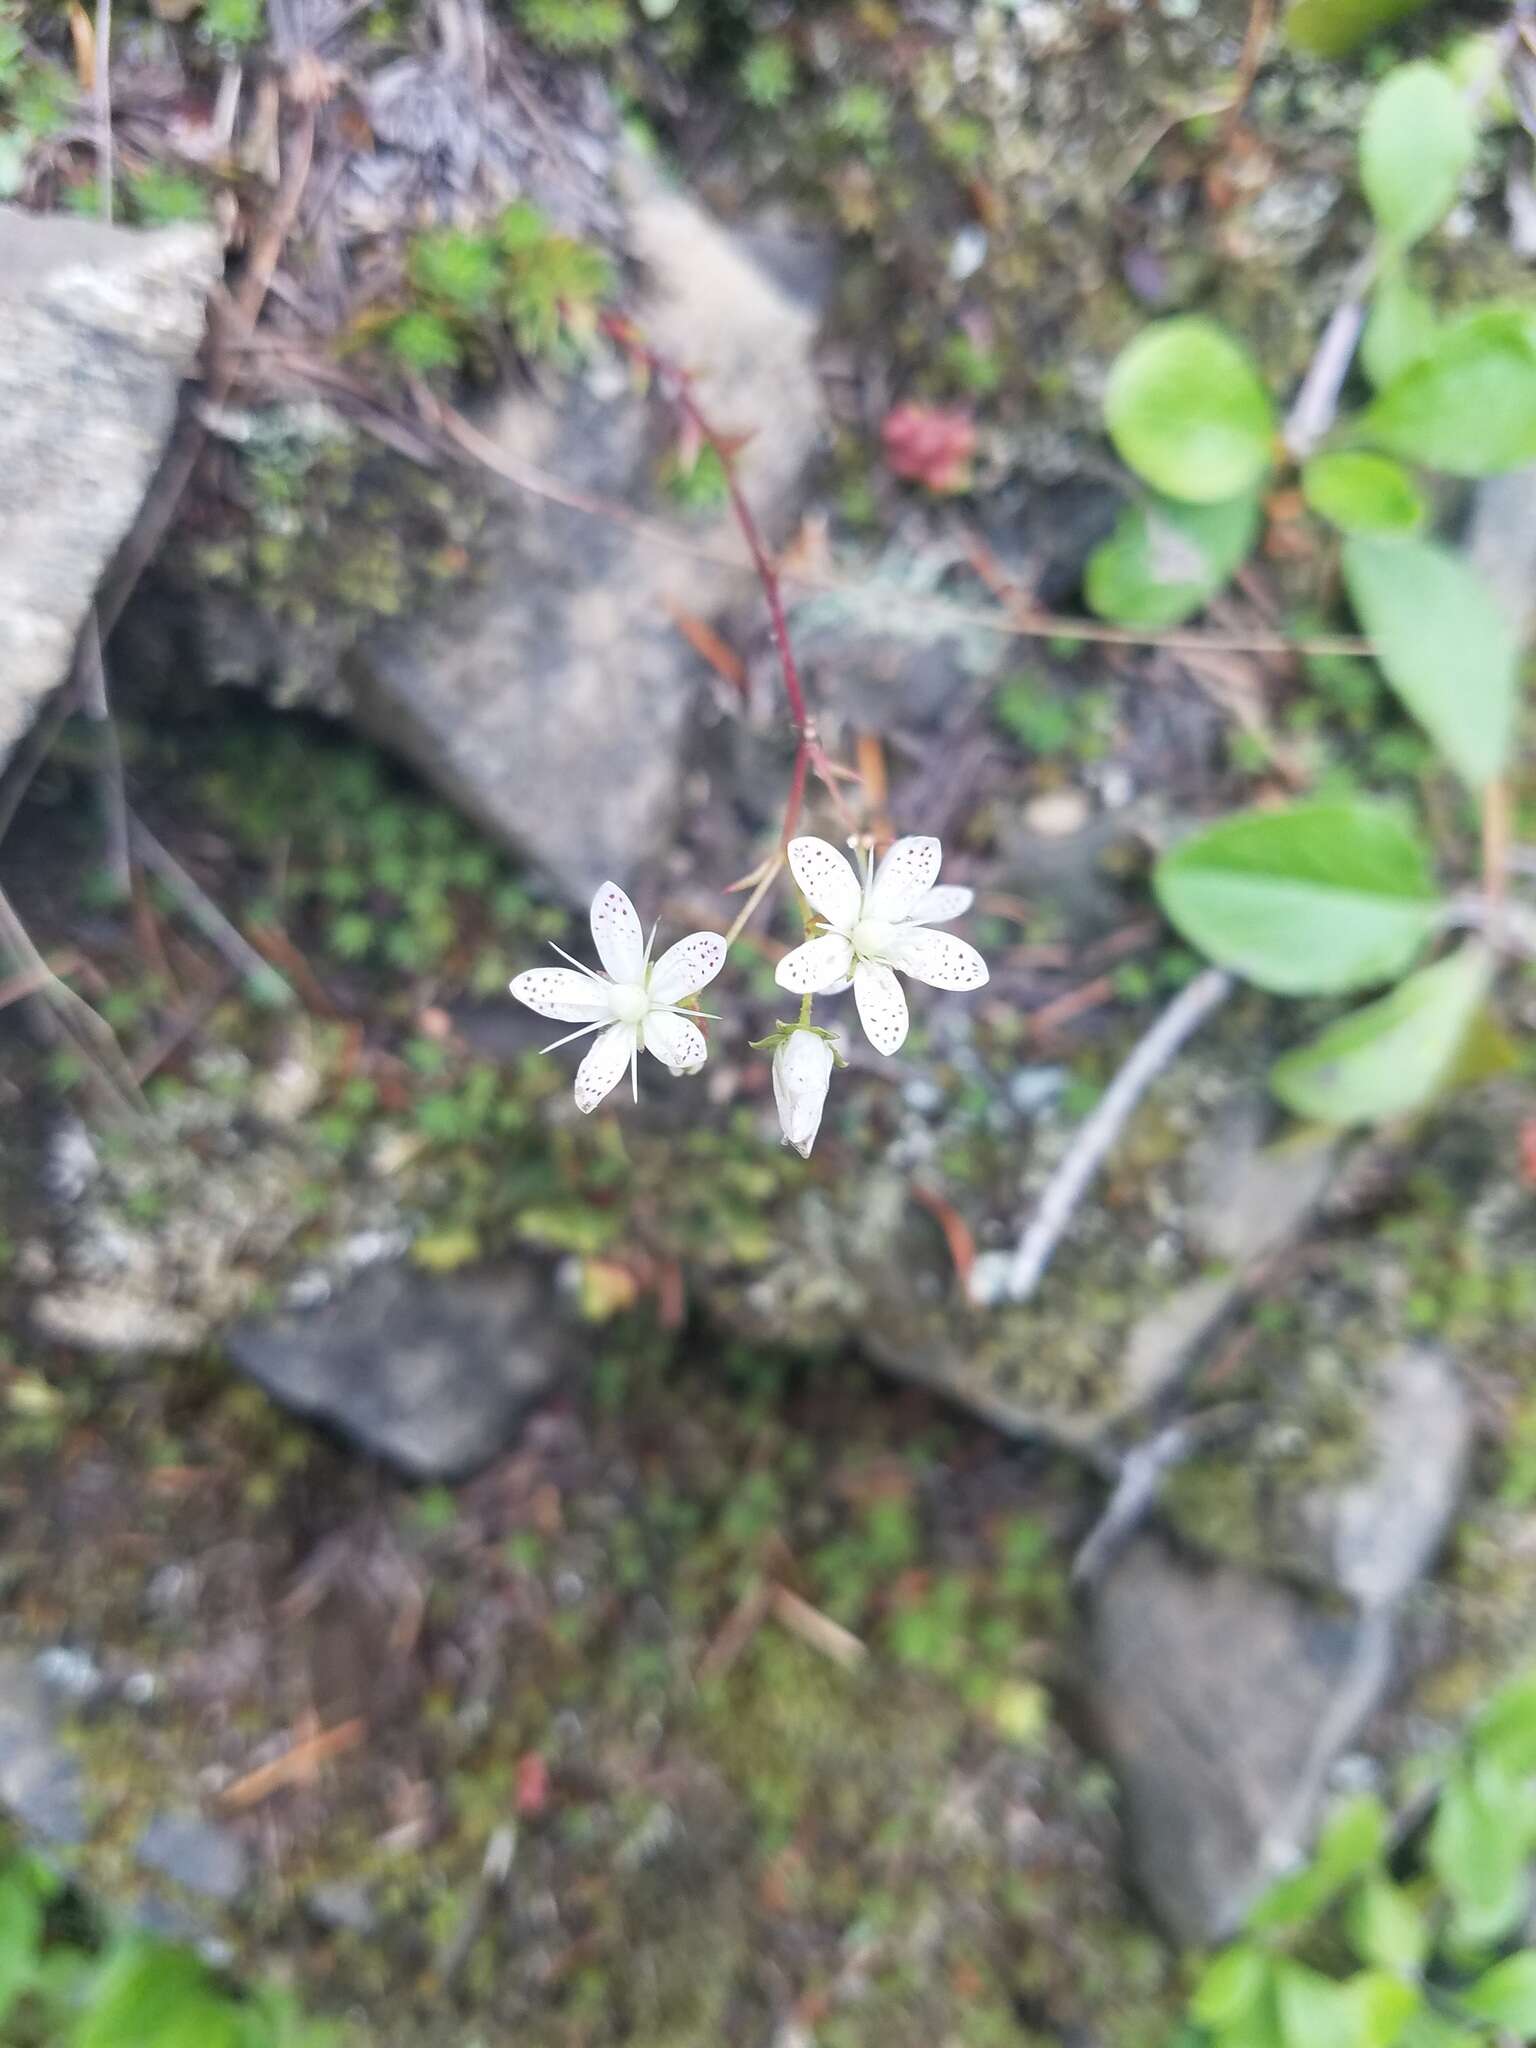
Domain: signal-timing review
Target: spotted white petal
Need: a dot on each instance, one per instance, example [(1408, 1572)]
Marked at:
[(563, 993), (882, 1006), (905, 876), (939, 959), (815, 966), (687, 967), (616, 933), (827, 881), (604, 1066), (949, 900), (802, 1067), (676, 1041)]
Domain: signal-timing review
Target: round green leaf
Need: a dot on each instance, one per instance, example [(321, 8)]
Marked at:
[(1332, 28), (1230, 1986), (1393, 1057), (1164, 560), (1444, 644), (1316, 899), (1468, 405), (1362, 493), (1186, 410), (1415, 144)]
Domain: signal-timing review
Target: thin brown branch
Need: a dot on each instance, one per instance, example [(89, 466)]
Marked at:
[(90, 1035), (201, 909), (1261, 14), (101, 104), (111, 788)]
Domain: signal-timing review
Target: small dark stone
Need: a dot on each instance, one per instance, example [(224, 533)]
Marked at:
[(196, 1854), (430, 1371), (39, 1779)]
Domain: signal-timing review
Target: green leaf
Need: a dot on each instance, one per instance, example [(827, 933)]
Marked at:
[(150, 1991), (1477, 1848), (452, 265), (1384, 2004), (1165, 560), (1506, 1994), (1468, 406), (1428, 2029), (1415, 144), (424, 342), (1353, 1837), (1315, 899), (1444, 645), (1385, 1927), (1393, 1057), (1187, 411), (1332, 28), (1230, 1987), (21, 1932), (1400, 329), (1506, 1728), (1315, 2012), (1362, 493)]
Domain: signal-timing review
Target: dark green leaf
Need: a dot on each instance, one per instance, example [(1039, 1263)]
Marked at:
[(1444, 645), (1415, 144), (1165, 560), (1362, 493), (1468, 406), (1332, 28), (1315, 899), (1506, 1994), (1400, 328), (1385, 1927), (1187, 411), (1393, 1057)]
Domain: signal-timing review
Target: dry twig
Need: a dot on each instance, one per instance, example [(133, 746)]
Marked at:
[(1072, 1178)]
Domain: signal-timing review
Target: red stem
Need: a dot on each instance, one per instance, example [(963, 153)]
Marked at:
[(809, 752)]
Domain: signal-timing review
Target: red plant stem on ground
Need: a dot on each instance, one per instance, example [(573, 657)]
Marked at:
[(676, 385)]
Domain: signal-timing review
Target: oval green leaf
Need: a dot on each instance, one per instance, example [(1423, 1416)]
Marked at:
[(1385, 1927), (1415, 144), (1361, 493), (1400, 329), (1332, 28), (1187, 411), (1164, 560), (1506, 1995), (1317, 899), (1393, 1057), (1467, 406), (1445, 646)]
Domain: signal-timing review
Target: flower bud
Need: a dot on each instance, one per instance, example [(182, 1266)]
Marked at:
[(802, 1067)]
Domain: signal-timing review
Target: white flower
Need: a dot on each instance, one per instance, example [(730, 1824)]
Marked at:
[(802, 1067), (633, 1005), (878, 927)]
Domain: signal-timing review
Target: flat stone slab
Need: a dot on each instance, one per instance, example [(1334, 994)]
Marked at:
[(98, 327)]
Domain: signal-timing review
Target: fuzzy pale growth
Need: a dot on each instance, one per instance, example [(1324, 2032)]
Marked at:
[(877, 926), (802, 1069), (634, 1005)]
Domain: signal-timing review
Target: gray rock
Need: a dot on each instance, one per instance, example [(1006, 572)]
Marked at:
[(429, 1371), (40, 1784), (98, 326), (341, 1907), (1379, 1533), (1223, 1700), (197, 1854), (554, 705)]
